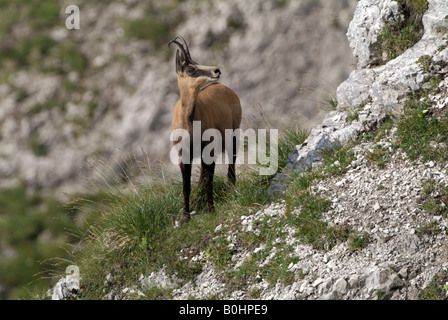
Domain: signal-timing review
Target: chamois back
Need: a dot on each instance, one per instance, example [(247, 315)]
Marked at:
[(217, 107)]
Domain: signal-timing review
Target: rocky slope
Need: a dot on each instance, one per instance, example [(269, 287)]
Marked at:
[(110, 87), (395, 205), (375, 93)]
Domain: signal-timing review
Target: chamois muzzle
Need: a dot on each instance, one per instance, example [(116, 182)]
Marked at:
[(216, 73)]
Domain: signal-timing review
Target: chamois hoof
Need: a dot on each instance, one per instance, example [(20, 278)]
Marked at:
[(185, 217)]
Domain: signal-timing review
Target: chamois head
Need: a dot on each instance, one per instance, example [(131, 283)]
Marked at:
[(187, 69)]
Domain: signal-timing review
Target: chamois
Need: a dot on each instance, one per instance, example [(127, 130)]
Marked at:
[(215, 106)]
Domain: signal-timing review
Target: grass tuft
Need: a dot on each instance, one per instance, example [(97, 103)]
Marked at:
[(421, 134), (396, 37)]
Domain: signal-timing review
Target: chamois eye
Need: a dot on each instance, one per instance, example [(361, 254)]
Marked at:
[(191, 70)]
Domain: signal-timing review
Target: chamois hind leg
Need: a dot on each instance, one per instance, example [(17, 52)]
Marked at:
[(209, 173), (202, 176), (231, 174), (186, 190)]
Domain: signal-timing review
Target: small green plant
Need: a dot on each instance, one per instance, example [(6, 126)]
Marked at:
[(305, 208), (255, 293), (425, 62), (69, 57), (337, 234), (379, 133), (352, 114), (435, 197), (428, 186), (379, 155), (380, 294), (277, 270), (429, 229), (332, 104), (270, 262), (357, 241)]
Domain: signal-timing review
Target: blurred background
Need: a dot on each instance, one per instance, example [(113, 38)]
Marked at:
[(67, 96)]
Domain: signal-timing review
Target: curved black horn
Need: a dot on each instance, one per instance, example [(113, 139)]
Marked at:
[(185, 44), (181, 47)]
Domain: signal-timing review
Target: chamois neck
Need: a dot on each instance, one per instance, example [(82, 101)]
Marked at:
[(188, 97)]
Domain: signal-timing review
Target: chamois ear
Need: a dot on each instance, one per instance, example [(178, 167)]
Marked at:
[(179, 60)]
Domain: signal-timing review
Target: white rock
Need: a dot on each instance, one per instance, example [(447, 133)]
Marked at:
[(341, 286)]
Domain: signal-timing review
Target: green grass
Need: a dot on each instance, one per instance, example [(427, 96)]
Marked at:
[(40, 14), (288, 139), (419, 132), (305, 208), (332, 104), (380, 294), (435, 198), (133, 229), (310, 228), (425, 62), (357, 241), (125, 235), (271, 260), (336, 162), (379, 155), (397, 37), (428, 229), (352, 114), (437, 288)]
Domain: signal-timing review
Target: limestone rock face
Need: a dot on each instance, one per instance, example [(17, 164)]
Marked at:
[(375, 92), (367, 24)]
